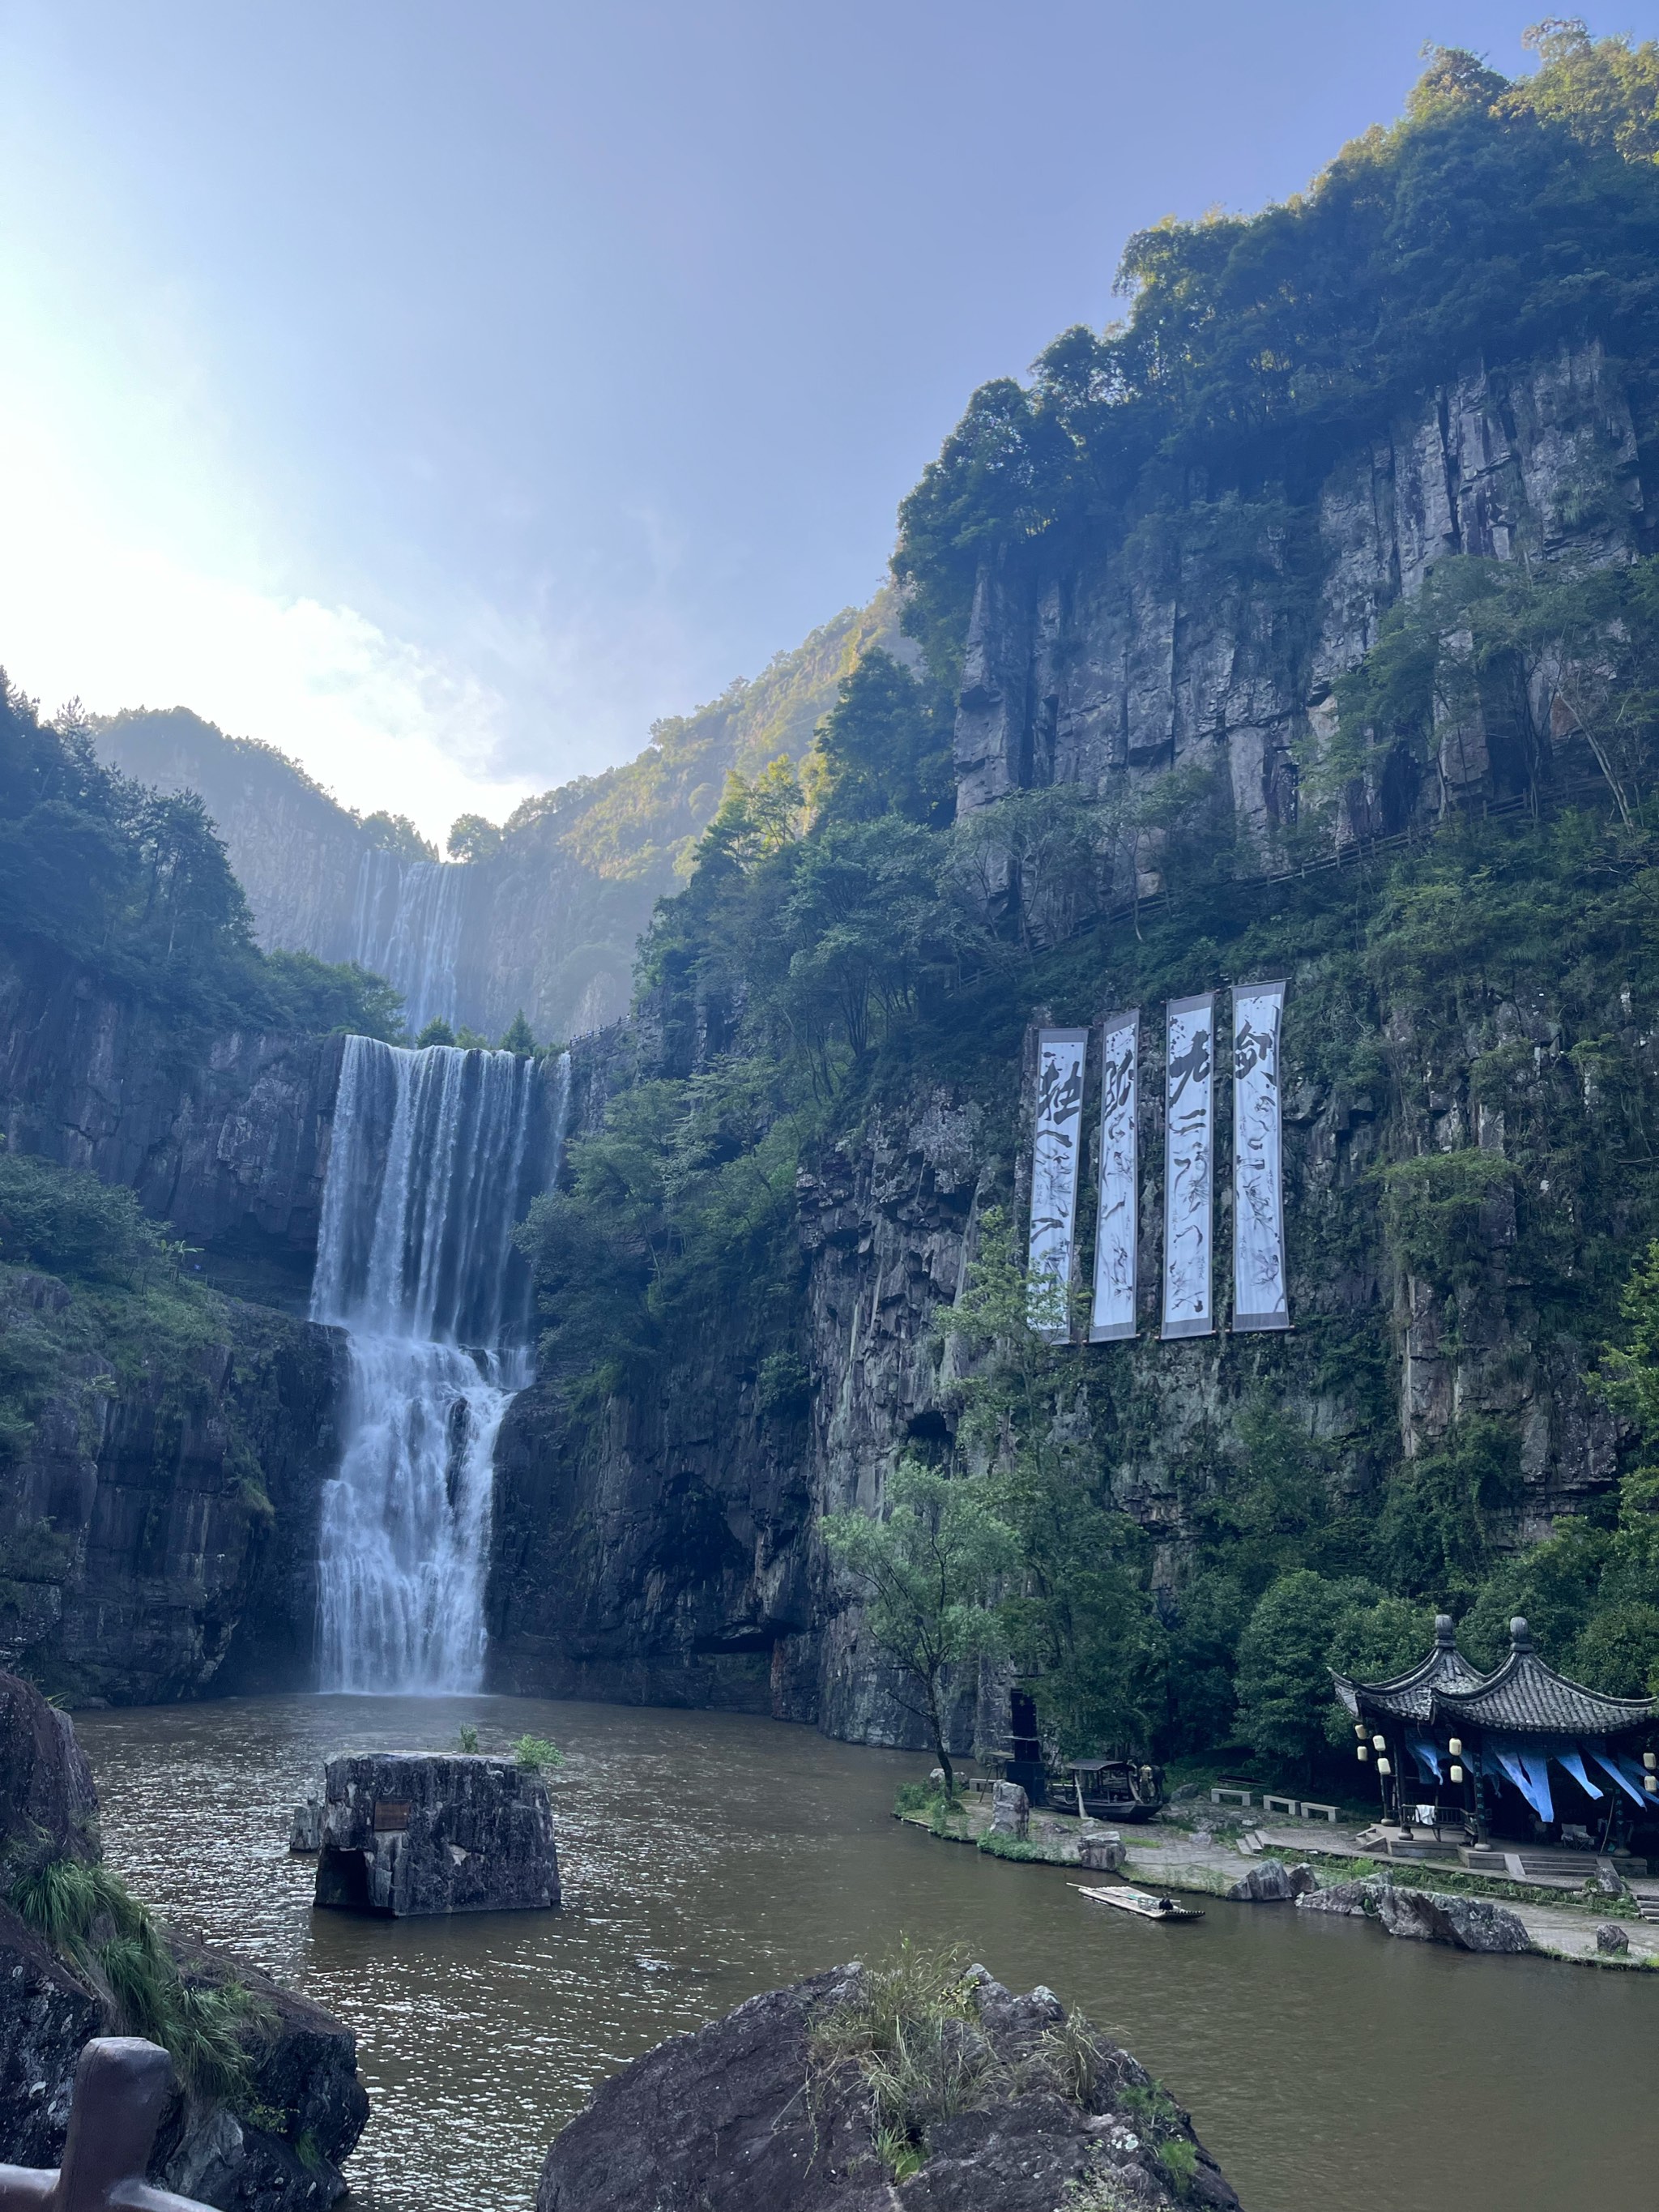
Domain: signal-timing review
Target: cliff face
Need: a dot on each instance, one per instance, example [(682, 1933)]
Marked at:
[(158, 1530), (232, 1148), (662, 1548), (1211, 634), (665, 1546), (158, 1521)]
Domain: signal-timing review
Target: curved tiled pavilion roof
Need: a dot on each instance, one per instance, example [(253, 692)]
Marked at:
[(1526, 1698), (1523, 1697), (1411, 1696)]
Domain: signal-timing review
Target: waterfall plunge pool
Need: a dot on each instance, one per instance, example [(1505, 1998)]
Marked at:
[(706, 1856)]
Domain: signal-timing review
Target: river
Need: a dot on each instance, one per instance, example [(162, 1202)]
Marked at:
[(707, 1856)]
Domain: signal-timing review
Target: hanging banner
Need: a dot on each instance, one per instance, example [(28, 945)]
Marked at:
[(1188, 1154), (1054, 1176), (1114, 1314), (1260, 1298)]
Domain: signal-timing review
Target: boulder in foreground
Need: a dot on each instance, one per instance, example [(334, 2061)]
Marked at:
[(407, 1832), (269, 2104), (909, 2084)]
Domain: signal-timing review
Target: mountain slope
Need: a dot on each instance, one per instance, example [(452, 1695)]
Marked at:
[(544, 913)]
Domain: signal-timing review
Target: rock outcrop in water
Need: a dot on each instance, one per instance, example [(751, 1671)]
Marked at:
[(406, 1834), (276, 2143), (758, 2113)]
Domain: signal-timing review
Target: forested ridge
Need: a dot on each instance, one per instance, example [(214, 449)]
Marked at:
[(1184, 1547), (134, 885)]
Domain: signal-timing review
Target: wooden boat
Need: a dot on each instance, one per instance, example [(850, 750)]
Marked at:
[(1112, 1788), (1139, 1902)]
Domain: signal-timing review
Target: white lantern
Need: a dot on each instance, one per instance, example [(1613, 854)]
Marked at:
[(1381, 1742), (1384, 1767), (1651, 1760), (1360, 1730), (1363, 1752), (1650, 1783), (1456, 1746), (1457, 1774)]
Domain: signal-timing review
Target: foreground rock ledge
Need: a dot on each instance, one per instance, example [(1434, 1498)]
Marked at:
[(745, 2114), (277, 2144), (406, 1833)]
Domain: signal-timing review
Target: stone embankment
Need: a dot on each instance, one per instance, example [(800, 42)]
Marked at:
[(850, 2093), (271, 2138), (1320, 1869), (407, 1834)]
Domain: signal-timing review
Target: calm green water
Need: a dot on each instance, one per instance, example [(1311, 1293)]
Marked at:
[(708, 1855)]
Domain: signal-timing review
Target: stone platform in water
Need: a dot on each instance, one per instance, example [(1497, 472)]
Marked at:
[(422, 1833)]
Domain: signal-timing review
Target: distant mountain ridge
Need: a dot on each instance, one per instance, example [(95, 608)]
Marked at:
[(546, 913)]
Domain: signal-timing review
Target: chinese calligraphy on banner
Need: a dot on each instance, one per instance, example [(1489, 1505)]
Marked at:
[(1189, 1153), (1259, 1294), (1114, 1314), (1054, 1176)]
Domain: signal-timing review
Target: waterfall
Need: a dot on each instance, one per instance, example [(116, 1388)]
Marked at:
[(435, 1158), (407, 927)]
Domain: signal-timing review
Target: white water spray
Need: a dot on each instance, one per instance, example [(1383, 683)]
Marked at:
[(435, 1158)]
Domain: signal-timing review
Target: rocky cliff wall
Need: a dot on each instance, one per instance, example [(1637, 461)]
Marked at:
[(158, 1517), (660, 1544), (1209, 635), (158, 1528), (229, 1143)]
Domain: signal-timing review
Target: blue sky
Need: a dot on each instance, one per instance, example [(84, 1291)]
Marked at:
[(444, 391)]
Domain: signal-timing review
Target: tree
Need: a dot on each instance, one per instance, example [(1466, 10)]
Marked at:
[(472, 838), (883, 748), (395, 833), (1284, 1672), (517, 1036), (437, 1031), (925, 1574), (1077, 1613)]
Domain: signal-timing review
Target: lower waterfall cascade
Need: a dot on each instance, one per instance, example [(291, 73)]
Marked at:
[(435, 1158)]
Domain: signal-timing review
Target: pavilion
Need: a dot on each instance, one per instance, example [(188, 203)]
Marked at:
[(1519, 1754)]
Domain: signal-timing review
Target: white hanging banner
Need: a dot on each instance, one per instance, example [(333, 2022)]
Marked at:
[(1055, 1173), (1260, 1298), (1188, 1156), (1114, 1314)]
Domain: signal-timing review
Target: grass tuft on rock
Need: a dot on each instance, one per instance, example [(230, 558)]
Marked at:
[(87, 1915), (912, 2034)]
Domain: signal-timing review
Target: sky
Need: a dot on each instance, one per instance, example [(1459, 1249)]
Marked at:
[(443, 392)]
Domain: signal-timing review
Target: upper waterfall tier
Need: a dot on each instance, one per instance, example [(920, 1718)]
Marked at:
[(435, 1158), (407, 927)]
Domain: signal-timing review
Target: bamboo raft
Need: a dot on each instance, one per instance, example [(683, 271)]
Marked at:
[(1138, 1901)]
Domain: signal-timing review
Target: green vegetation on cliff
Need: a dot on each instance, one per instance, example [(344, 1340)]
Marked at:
[(1468, 1055), (1493, 222), (134, 884)]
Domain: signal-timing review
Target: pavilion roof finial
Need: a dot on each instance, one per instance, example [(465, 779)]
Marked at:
[(1520, 1634), (1445, 1631)]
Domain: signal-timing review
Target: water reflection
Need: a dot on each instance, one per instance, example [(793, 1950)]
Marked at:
[(707, 1856)]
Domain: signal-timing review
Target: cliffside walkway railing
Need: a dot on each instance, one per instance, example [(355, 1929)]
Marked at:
[(121, 2088)]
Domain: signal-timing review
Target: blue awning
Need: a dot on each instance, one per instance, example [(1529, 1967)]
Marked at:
[(1529, 1772), (1625, 1771), (1573, 1760), (1428, 1758)]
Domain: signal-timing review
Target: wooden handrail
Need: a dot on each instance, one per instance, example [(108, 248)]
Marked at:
[(121, 2088)]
